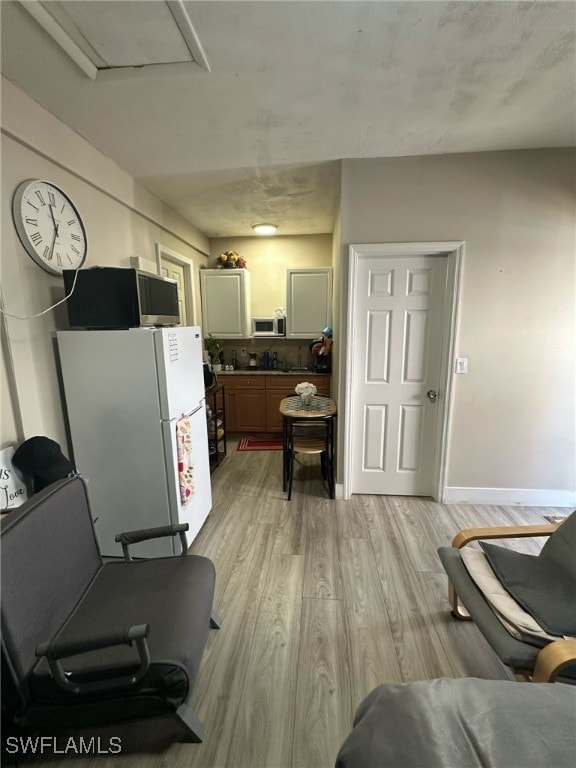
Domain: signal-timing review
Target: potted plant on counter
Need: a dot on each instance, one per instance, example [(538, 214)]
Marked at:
[(214, 347)]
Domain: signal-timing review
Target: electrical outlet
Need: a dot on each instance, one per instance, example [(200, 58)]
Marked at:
[(243, 352)]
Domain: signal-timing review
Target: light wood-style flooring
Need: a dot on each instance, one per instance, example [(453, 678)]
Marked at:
[(321, 601)]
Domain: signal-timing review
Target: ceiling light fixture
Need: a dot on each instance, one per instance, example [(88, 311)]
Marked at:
[(264, 229)]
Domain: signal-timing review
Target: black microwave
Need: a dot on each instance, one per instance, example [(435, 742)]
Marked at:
[(118, 297)]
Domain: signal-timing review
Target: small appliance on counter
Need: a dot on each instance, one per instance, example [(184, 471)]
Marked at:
[(321, 350)]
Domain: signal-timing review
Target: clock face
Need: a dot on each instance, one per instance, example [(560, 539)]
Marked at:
[(49, 226)]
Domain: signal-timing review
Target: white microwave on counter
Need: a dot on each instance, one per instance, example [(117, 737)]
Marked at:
[(268, 326)]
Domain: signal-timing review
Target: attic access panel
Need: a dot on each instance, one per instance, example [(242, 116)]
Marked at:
[(111, 36)]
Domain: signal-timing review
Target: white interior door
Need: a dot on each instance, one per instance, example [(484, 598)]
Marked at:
[(397, 357), (175, 272)]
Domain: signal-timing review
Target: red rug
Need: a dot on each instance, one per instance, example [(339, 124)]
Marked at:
[(260, 444)]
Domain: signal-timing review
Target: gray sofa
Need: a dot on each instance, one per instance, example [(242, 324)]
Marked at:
[(87, 642)]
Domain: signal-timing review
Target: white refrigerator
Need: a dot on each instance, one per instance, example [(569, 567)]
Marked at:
[(130, 396)]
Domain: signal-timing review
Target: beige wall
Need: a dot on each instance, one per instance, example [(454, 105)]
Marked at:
[(514, 412), (122, 220), (268, 258)]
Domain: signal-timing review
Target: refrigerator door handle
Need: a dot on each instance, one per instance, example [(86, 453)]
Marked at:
[(191, 413)]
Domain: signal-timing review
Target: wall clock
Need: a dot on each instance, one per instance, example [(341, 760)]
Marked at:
[(49, 226)]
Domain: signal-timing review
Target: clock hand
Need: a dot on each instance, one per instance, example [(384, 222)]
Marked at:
[(53, 222), (54, 236)]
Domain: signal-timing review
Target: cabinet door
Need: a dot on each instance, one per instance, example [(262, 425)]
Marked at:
[(225, 302), (250, 411), (273, 418), (230, 412), (322, 384), (277, 388), (308, 302)]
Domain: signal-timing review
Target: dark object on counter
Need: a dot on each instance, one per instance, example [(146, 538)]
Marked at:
[(321, 350), (209, 377), (41, 459), (322, 365), (266, 361)]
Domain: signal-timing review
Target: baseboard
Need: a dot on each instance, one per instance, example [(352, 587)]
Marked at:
[(339, 491), (527, 497)]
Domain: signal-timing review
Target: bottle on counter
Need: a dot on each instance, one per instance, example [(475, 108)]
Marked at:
[(274, 361)]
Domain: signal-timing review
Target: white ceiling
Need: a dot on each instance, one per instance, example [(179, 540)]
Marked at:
[(289, 88)]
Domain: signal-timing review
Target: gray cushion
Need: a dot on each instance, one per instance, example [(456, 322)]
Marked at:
[(173, 595), (542, 587), (561, 546), (512, 652), (474, 723)]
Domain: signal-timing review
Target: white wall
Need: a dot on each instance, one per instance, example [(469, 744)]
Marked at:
[(513, 421), (122, 220)]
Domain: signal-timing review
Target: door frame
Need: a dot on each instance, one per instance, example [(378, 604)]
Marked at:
[(166, 253), (454, 251)]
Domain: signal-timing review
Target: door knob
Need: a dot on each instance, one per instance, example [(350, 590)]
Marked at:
[(432, 394)]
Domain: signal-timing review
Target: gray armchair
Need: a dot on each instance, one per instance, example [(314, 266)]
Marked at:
[(544, 582)]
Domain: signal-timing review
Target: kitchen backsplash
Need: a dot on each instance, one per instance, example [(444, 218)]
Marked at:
[(288, 353)]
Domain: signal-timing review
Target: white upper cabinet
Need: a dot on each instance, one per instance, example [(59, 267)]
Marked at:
[(308, 302), (225, 302)]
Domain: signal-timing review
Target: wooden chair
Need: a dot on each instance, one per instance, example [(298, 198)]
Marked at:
[(557, 658)]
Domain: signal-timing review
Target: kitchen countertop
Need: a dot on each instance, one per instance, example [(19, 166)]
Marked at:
[(262, 372)]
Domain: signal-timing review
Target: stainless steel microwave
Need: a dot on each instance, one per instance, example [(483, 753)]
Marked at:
[(268, 326)]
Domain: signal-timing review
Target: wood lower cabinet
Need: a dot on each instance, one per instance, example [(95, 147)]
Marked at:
[(245, 399), (273, 417), (250, 412), (253, 402)]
